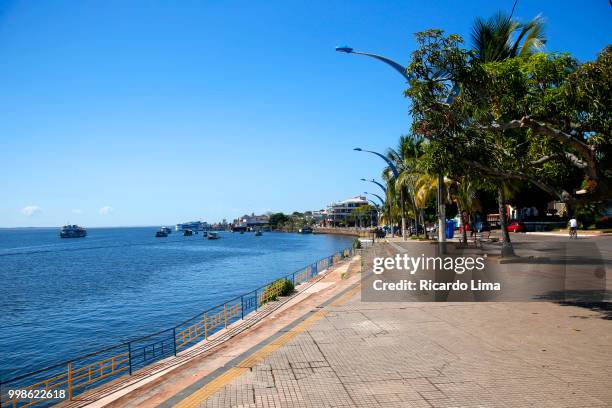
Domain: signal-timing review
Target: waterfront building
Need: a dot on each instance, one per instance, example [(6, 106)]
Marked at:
[(251, 222), (318, 217), (338, 213)]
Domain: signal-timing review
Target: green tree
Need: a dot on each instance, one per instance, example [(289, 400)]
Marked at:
[(406, 158), (493, 41), (500, 37), (277, 220)]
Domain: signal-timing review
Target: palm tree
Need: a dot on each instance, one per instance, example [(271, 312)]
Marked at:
[(406, 159), (425, 187), (464, 195), (498, 38)]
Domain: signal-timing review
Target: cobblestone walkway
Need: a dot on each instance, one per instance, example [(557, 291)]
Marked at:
[(359, 354)]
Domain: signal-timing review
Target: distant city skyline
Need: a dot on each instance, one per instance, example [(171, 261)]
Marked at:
[(153, 113)]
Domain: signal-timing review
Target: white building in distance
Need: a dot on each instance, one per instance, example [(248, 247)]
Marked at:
[(338, 212)]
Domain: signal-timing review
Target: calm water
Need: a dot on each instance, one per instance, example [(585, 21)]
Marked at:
[(61, 298)]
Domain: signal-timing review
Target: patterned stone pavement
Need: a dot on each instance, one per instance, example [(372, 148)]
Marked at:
[(364, 354)]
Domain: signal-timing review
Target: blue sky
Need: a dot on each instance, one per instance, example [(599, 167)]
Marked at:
[(156, 112)]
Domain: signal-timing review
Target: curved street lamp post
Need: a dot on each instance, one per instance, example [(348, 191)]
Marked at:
[(377, 196), (389, 204), (377, 183), (395, 176), (376, 210), (403, 72), (376, 206)]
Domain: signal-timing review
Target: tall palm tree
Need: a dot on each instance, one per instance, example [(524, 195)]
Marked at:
[(425, 187), (500, 37), (495, 39), (464, 195), (406, 159)]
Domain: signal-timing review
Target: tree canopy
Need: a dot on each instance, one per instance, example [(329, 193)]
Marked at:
[(542, 119)]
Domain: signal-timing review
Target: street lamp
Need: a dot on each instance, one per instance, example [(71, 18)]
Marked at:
[(388, 203), (376, 205), (395, 177), (377, 196), (377, 183), (398, 67), (377, 209), (453, 92)]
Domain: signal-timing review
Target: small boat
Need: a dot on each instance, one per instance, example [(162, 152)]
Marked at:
[(258, 233), (213, 235), (161, 234), (167, 230), (187, 233), (305, 230), (204, 234), (73, 231)]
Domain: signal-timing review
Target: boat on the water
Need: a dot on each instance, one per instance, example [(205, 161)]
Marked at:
[(167, 230), (187, 232), (161, 234), (212, 235), (305, 230), (258, 233), (73, 231)]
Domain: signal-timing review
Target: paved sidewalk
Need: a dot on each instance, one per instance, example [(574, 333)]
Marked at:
[(363, 354)]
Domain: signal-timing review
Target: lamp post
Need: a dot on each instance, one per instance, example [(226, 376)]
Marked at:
[(376, 206), (454, 90), (377, 183), (377, 196), (395, 177), (384, 191)]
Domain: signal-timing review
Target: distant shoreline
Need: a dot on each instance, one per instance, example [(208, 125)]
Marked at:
[(59, 226)]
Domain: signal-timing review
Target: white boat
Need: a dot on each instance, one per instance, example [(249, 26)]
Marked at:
[(212, 235)]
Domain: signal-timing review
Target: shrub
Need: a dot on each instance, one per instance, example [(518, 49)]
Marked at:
[(280, 287), (357, 243)]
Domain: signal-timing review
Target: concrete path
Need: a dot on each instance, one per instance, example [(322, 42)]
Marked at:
[(349, 353)]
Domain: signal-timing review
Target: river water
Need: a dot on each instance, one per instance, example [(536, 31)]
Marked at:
[(60, 298)]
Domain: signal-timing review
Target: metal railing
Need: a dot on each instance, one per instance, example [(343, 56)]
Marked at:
[(66, 380)]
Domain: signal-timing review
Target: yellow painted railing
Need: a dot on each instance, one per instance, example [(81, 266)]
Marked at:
[(303, 275), (272, 291), (208, 324), (71, 380)]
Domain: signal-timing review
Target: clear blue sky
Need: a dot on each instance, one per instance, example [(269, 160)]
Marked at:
[(156, 112)]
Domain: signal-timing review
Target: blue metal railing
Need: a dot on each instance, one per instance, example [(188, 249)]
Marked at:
[(88, 371)]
